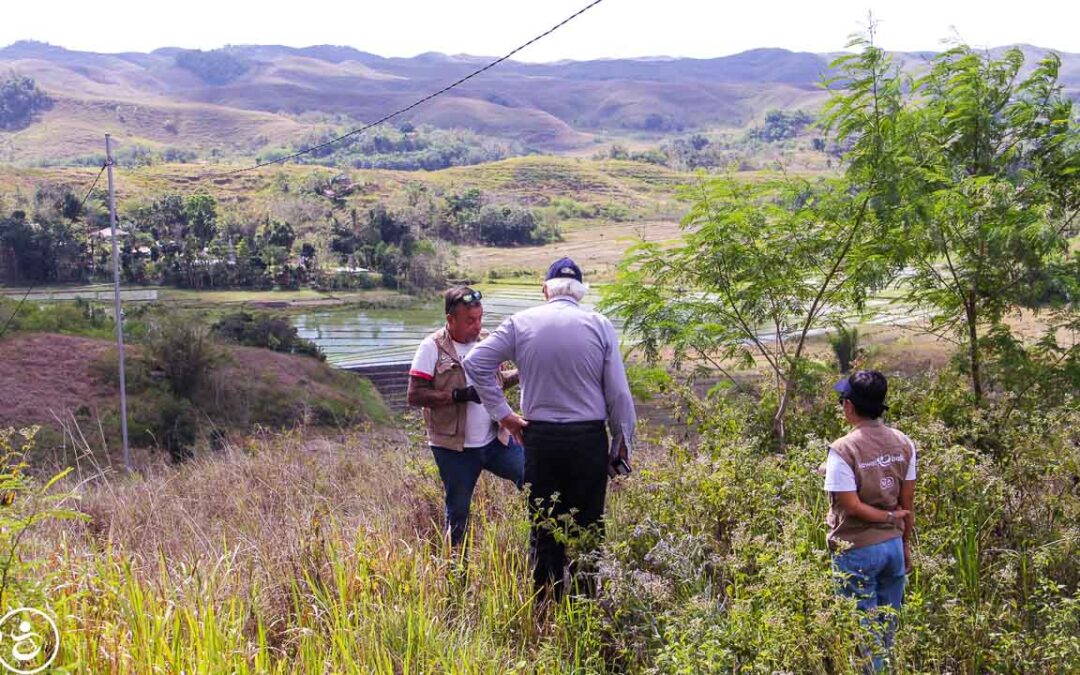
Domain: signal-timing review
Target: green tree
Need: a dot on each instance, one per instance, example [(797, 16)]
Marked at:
[(507, 225), (780, 125), (280, 234), (462, 211), (20, 102), (763, 266), (981, 190), (200, 215), (759, 269)]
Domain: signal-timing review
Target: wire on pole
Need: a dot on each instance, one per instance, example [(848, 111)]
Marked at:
[(401, 111), (33, 285)]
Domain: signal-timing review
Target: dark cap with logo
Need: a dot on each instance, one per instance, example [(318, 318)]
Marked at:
[(866, 389), (563, 268)]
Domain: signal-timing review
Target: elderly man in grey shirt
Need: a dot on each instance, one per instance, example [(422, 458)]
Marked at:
[(572, 382)]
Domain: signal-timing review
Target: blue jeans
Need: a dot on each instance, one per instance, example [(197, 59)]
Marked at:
[(460, 471), (875, 576)]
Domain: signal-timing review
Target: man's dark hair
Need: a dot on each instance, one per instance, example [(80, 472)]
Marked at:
[(868, 391), (460, 295)]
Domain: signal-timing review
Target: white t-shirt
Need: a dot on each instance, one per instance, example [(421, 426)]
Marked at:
[(840, 478), (479, 427)]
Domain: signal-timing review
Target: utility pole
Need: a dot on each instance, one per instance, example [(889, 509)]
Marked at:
[(116, 303)]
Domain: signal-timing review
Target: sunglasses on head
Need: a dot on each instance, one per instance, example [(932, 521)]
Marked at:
[(468, 299)]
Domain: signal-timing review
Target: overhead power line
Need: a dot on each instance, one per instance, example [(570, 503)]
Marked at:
[(401, 111), (33, 285)]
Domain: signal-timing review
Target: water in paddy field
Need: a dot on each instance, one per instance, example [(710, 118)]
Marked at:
[(372, 337)]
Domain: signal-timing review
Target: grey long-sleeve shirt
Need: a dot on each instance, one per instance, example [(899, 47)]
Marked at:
[(570, 366)]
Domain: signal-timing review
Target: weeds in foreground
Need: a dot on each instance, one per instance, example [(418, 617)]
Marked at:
[(301, 555)]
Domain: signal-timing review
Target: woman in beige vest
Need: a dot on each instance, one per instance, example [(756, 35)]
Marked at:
[(870, 478)]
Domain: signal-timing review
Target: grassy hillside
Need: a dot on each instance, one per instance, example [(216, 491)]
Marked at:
[(68, 385), (522, 176), (599, 206), (290, 553), (74, 130), (237, 101)]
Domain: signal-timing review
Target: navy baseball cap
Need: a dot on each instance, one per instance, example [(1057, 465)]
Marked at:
[(563, 268), (865, 388)]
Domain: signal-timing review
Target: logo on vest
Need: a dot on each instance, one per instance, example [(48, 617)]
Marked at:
[(884, 460), (888, 483)]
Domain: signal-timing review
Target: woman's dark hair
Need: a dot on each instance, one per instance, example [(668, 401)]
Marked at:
[(868, 391)]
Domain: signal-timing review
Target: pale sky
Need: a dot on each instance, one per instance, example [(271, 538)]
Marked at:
[(614, 28)]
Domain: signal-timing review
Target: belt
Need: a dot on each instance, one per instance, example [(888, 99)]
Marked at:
[(584, 424)]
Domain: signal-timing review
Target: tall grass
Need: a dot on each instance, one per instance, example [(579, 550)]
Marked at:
[(293, 555), (297, 554)]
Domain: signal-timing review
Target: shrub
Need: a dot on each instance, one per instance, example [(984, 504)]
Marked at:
[(217, 66), (20, 102), (25, 502), (716, 558), (845, 345), (266, 331), (510, 226), (78, 317), (182, 351)]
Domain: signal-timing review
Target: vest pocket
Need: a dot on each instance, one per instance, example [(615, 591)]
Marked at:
[(444, 420)]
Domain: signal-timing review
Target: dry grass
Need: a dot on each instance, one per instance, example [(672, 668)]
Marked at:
[(74, 128), (47, 375), (597, 249), (254, 506), (295, 553)]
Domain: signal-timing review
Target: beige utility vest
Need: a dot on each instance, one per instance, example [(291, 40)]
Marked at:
[(446, 424), (879, 457)]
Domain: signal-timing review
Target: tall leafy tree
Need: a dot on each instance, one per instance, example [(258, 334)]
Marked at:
[(981, 191), (760, 268), (763, 266), (200, 214)]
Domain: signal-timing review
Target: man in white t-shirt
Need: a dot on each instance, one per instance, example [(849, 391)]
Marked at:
[(464, 439)]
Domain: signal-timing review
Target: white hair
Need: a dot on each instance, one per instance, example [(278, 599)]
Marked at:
[(563, 286)]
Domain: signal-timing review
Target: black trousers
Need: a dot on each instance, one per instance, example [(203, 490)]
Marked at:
[(566, 466)]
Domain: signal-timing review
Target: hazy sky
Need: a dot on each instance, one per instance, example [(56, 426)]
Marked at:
[(614, 28)]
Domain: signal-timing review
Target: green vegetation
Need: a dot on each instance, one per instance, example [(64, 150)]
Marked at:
[(845, 345), (975, 175), (27, 501), (188, 389), (980, 208), (75, 318), (407, 148), (266, 331), (190, 382), (20, 102), (311, 541), (217, 66), (320, 232), (780, 125), (787, 139), (715, 559)]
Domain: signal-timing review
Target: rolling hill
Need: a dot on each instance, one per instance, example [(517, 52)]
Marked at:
[(235, 101)]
